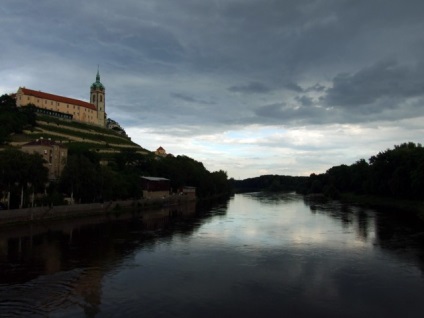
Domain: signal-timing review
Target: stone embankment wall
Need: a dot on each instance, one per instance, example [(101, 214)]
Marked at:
[(81, 210)]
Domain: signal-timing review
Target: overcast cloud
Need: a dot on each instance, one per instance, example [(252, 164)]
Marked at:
[(247, 86)]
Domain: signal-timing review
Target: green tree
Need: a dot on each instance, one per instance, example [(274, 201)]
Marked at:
[(80, 178), (14, 119), (20, 171)]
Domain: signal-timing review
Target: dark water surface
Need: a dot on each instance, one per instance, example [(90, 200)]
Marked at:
[(254, 255)]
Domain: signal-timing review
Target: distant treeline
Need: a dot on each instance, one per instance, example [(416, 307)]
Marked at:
[(395, 173), (271, 183)]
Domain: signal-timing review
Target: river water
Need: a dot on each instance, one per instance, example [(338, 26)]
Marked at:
[(254, 255)]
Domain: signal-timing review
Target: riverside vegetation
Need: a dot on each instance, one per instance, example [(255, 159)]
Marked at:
[(392, 178)]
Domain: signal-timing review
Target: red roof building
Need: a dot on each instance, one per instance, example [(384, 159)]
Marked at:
[(75, 109)]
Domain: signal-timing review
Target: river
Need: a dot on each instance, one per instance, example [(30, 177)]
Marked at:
[(253, 255)]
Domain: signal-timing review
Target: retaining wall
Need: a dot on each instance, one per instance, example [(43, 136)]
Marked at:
[(80, 210)]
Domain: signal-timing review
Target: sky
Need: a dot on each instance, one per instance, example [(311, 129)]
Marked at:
[(251, 87)]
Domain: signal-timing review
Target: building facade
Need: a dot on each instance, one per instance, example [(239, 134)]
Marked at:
[(155, 188), (160, 152), (54, 154), (93, 113)]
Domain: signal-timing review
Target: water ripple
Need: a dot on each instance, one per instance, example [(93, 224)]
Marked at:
[(40, 296)]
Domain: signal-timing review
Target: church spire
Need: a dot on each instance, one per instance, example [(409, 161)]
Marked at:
[(98, 75), (97, 84)]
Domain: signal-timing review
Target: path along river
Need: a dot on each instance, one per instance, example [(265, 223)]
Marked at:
[(254, 255)]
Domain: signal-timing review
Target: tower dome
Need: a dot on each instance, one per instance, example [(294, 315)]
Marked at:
[(97, 84)]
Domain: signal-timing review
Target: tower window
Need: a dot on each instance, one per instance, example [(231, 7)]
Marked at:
[(101, 98), (94, 98)]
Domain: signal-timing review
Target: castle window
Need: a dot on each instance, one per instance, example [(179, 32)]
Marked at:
[(51, 102), (101, 98), (28, 97), (45, 102)]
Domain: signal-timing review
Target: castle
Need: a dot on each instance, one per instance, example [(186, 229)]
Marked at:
[(93, 113)]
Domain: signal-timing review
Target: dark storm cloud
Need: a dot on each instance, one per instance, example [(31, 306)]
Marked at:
[(386, 80), (294, 87), (285, 114), (316, 88), (250, 88), (191, 99), (316, 55), (304, 100)]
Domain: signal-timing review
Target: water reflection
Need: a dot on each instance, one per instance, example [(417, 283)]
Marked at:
[(397, 232), (46, 267), (255, 255)]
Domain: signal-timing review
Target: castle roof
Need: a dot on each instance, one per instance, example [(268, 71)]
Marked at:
[(57, 98)]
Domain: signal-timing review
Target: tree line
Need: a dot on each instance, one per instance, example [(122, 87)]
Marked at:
[(396, 173)]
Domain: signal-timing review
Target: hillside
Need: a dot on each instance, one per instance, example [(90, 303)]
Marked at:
[(101, 140)]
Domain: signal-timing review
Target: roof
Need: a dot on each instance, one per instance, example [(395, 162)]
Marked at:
[(57, 98), (43, 142), (160, 148), (154, 178)]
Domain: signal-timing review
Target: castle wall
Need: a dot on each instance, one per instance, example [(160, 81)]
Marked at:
[(79, 113)]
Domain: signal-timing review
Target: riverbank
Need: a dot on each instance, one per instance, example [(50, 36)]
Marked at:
[(404, 206), (39, 214)]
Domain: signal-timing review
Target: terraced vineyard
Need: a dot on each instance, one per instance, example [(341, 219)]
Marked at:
[(102, 140)]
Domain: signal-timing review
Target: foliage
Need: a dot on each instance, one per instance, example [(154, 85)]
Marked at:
[(13, 119), (88, 181), (20, 171), (181, 170), (271, 183), (395, 173)]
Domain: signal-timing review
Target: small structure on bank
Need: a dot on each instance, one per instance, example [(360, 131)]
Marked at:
[(154, 187), (54, 154), (188, 191)]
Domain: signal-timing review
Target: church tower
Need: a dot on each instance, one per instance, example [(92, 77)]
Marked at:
[(97, 98)]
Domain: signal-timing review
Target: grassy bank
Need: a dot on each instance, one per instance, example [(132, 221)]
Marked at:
[(405, 206)]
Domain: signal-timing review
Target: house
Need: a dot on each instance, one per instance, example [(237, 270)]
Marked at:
[(54, 154), (160, 152), (154, 187)]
